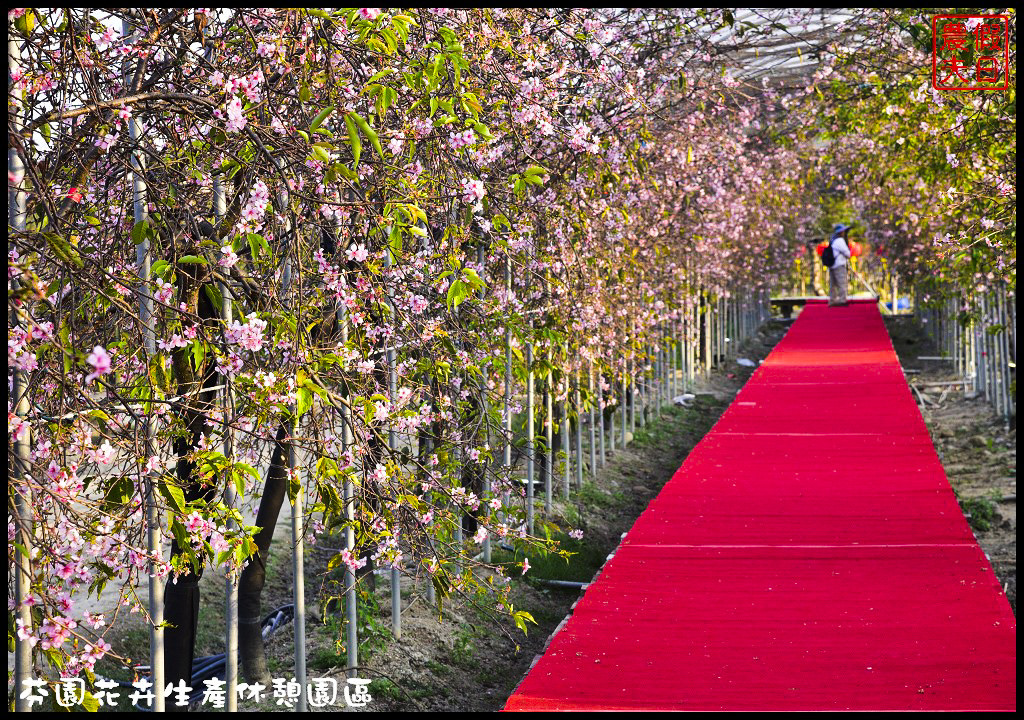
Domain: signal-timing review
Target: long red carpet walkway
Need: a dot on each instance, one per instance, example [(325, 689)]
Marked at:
[(808, 555)]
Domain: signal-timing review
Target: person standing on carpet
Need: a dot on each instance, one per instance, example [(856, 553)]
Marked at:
[(838, 273)]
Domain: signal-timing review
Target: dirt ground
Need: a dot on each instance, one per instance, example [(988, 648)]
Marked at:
[(977, 449), (464, 662)]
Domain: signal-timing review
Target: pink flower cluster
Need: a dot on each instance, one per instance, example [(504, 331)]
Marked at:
[(236, 118), (251, 217), (164, 292), (422, 127), (351, 562), (248, 336), (100, 361), (357, 253), (472, 190), (230, 257), (462, 139), (230, 365)]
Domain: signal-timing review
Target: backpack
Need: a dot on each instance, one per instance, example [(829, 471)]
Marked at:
[(828, 256)]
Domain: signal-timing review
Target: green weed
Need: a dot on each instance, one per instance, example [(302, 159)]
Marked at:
[(982, 512)]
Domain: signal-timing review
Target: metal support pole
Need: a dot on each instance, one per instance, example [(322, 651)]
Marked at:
[(720, 328), (708, 324), (979, 367), (687, 344), (633, 376), (599, 401), (666, 362), (688, 347), (1004, 336), (396, 604), (549, 439), (975, 334), (481, 260), (396, 576), (656, 373), (579, 429), (622, 399), (230, 499), (997, 355), (676, 357), (593, 421), (730, 325), (1004, 351), (986, 370), (351, 601), (143, 257), (957, 360), (424, 447), (642, 386), (663, 356), (566, 447), (16, 216), (693, 357), (719, 331), (993, 380), (507, 398), (530, 432), (298, 569), (23, 578), (611, 420)]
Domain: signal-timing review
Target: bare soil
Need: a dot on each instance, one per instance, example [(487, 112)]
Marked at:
[(977, 448)]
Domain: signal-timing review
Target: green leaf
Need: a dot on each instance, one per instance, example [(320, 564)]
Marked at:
[(369, 133), (395, 239), (458, 292), (304, 400), (64, 333), (482, 131), (353, 137), (321, 155), (214, 295), (474, 279), (90, 703), (257, 244), (173, 494), (63, 249), (304, 93), (158, 374), (294, 487), (198, 348), (248, 469), (158, 269), (432, 75), (521, 617), (26, 22), (383, 73), (191, 260), (320, 117)]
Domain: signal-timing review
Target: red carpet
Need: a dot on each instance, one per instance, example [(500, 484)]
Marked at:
[(808, 555)]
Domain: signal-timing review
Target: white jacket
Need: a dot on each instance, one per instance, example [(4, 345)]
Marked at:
[(841, 250)]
